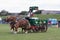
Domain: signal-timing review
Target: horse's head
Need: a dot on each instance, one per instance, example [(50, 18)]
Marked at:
[(10, 18)]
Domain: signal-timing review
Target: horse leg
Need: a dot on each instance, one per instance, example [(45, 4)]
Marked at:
[(12, 28), (28, 27), (16, 29), (26, 31), (23, 29)]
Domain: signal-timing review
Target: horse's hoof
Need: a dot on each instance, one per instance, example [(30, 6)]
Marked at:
[(15, 32), (11, 30), (26, 32), (18, 31)]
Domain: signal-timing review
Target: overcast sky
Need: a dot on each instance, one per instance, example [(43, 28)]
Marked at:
[(21, 5)]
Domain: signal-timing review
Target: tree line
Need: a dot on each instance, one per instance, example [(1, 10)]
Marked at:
[(5, 13)]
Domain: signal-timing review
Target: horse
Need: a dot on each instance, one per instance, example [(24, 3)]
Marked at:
[(17, 22), (11, 20), (24, 24)]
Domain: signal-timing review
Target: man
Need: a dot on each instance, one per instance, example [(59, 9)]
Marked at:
[(30, 14)]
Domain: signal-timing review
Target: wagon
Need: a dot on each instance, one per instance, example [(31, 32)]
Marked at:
[(38, 24)]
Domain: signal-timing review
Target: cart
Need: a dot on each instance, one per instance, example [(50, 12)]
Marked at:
[(38, 24)]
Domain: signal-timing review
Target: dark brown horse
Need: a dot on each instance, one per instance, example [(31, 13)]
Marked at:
[(20, 23), (11, 20), (24, 24)]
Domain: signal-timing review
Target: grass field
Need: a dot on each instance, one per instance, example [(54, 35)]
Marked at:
[(51, 34), (41, 16)]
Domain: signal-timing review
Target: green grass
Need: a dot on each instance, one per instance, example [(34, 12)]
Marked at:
[(52, 34), (57, 16)]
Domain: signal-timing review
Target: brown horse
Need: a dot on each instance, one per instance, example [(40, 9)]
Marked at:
[(11, 20), (20, 23), (24, 24)]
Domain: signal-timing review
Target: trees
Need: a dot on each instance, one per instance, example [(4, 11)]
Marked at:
[(3, 13), (23, 13)]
